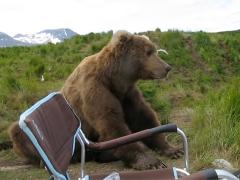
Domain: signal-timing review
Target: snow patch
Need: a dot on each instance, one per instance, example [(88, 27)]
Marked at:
[(38, 38), (65, 32)]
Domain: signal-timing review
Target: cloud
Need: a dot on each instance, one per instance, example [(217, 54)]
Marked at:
[(84, 16)]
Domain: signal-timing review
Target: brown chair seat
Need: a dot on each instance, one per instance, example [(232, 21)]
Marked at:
[(52, 126)]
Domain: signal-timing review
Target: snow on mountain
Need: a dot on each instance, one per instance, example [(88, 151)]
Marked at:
[(38, 38), (61, 33), (8, 41), (43, 37), (46, 36)]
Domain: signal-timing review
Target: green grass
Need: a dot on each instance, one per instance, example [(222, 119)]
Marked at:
[(216, 126), (157, 98), (23, 174)]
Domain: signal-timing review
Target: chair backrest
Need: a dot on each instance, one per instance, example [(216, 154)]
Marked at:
[(52, 126)]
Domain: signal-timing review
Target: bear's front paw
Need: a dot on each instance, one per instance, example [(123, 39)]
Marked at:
[(145, 161), (172, 152)]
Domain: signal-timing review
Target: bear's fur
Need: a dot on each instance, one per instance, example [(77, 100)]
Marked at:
[(22, 145), (102, 90)]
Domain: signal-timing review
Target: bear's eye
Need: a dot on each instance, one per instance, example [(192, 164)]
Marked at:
[(149, 52)]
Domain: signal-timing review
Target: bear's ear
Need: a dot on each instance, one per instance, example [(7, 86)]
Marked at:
[(146, 37), (121, 36)]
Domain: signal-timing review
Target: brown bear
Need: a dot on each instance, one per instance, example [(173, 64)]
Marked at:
[(22, 145), (102, 90)]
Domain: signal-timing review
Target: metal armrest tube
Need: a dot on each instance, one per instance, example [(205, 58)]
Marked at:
[(83, 137), (82, 157), (132, 137), (222, 174), (185, 147), (180, 172)]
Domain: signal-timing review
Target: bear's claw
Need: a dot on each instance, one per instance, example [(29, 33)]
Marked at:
[(147, 162), (173, 153)]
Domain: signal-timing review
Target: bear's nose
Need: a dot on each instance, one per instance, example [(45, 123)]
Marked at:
[(168, 68)]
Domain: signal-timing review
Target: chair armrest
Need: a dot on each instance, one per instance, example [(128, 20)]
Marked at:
[(132, 137)]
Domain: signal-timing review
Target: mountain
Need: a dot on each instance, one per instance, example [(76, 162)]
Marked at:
[(42, 37), (8, 41), (61, 34), (46, 36)]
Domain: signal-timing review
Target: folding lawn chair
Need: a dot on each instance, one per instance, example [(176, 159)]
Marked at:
[(53, 128)]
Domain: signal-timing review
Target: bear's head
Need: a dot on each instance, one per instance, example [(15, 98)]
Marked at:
[(138, 57)]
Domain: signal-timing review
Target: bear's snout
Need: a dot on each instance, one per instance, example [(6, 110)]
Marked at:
[(168, 68)]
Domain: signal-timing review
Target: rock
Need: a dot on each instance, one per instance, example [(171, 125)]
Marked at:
[(223, 164)]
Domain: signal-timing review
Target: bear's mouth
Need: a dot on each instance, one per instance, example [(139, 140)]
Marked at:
[(160, 76)]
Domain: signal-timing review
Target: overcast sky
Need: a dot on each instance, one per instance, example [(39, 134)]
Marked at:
[(84, 16)]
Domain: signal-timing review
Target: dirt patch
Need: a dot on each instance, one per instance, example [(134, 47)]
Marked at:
[(17, 166), (12, 168), (182, 117), (195, 56), (91, 168), (9, 163)]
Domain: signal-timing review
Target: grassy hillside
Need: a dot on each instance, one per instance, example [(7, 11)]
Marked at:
[(204, 84)]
